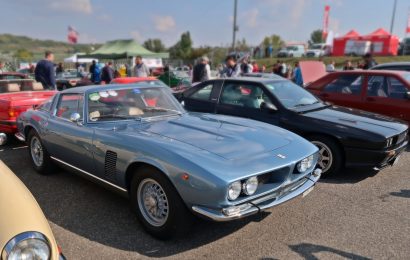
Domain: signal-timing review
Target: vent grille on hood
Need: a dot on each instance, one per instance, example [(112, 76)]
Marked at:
[(110, 167)]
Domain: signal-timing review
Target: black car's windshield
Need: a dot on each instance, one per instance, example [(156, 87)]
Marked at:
[(291, 95), (132, 103)]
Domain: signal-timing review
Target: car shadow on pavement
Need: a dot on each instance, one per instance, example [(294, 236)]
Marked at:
[(92, 212), (307, 251), (349, 176), (402, 194)]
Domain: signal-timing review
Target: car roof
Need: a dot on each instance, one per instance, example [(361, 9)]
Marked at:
[(392, 64), (127, 80), (253, 79), (96, 88), (369, 72)]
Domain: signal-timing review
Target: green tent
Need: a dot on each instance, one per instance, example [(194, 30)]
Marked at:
[(120, 49)]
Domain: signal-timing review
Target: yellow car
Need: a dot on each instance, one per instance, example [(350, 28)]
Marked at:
[(24, 230)]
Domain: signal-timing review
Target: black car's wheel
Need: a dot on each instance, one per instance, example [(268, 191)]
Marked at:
[(157, 204), (39, 156), (330, 155)]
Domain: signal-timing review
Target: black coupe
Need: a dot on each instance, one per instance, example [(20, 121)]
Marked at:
[(345, 137)]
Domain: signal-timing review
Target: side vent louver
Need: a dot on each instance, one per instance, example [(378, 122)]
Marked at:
[(110, 167)]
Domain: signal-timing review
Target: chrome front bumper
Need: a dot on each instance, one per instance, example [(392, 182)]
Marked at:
[(260, 204), (20, 136)]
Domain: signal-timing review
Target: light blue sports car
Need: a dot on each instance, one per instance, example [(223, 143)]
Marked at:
[(139, 140)]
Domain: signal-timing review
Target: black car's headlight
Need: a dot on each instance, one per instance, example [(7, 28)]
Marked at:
[(305, 164), (27, 245)]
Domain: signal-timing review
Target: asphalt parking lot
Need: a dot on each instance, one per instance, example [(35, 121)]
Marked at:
[(354, 215)]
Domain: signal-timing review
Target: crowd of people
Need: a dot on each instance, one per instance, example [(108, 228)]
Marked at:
[(45, 70)]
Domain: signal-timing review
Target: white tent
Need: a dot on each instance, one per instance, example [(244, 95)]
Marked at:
[(74, 59)]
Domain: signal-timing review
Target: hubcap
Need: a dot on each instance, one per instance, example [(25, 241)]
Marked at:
[(153, 202), (36, 151), (325, 156)]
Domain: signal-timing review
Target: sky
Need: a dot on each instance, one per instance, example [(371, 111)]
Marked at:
[(209, 21)]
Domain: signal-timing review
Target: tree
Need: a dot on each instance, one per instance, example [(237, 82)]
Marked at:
[(183, 48), (275, 40), (154, 45), (316, 37), (24, 55)]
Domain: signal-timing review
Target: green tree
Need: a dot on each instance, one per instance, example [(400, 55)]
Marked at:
[(154, 45), (275, 40), (24, 55), (183, 48), (316, 36)]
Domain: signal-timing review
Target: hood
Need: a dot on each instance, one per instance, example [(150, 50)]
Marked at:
[(312, 70), (227, 137), (359, 119)]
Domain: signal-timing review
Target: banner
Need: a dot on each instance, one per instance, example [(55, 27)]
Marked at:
[(408, 23), (72, 35), (325, 22)]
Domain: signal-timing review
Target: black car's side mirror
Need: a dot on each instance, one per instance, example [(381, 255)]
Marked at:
[(271, 108)]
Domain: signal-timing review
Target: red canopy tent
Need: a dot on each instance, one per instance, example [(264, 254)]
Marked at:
[(340, 42), (383, 43)]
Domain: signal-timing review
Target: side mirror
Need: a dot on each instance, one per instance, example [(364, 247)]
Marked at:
[(75, 118), (269, 107)]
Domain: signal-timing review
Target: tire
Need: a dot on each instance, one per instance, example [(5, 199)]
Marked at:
[(38, 154), (331, 158), (175, 217)]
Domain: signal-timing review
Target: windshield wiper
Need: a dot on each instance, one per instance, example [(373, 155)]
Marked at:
[(305, 104), (160, 109), (115, 116)]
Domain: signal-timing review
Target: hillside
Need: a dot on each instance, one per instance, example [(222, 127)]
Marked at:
[(11, 45)]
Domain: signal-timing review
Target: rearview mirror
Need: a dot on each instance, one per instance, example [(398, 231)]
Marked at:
[(75, 117), (269, 107)]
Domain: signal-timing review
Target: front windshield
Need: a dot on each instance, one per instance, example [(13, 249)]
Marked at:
[(291, 48), (291, 95), (132, 103), (317, 47)]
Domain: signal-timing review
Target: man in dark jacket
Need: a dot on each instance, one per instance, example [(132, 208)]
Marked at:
[(200, 71), (369, 62), (45, 72), (107, 73)]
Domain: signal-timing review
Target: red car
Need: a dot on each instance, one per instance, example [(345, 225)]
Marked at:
[(17, 96), (383, 92), (12, 75)]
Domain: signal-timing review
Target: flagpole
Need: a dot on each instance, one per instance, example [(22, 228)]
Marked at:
[(393, 17)]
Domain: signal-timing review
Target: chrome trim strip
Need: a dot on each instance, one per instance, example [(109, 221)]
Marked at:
[(20, 137), (89, 174)]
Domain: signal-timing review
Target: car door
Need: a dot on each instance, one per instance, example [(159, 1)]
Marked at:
[(70, 142), (387, 95), (345, 90), (246, 99), (203, 98)]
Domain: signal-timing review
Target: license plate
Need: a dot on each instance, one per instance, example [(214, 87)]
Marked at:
[(307, 191)]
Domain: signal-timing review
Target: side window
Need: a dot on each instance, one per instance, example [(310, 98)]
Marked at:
[(346, 84), (68, 104), (396, 88), (203, 93), (243, 95), (46, 106), (377, 86)]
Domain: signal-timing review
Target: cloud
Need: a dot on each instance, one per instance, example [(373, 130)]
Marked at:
[(136, 35), (164, 23), (79, 6)]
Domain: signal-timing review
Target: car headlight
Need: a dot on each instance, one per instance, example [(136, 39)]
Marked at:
[(234, 190), (250, 185), (305, 164), (27, 245)]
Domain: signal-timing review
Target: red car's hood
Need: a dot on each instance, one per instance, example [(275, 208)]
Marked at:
[(27, 97), (312, 70)]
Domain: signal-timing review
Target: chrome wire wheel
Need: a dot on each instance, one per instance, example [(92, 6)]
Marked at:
[(36, 150), (325, 159), (153, 202)]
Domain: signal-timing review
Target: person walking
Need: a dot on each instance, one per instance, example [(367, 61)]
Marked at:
[(140, 69), (60, 68), (107, 74), (44, 71), (297, 75), (201, 71), (232, 69), (369, 62)]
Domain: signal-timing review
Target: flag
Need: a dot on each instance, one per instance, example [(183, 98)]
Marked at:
[(72, 35), (325, 22), (408, 23)]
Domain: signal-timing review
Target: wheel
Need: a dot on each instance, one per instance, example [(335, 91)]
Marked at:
[(330, 154), (158, 205), (39, 156)]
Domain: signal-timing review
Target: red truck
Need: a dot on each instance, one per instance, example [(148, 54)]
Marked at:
[(17, 96)]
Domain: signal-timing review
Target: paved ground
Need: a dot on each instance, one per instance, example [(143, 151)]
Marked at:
[(355, 215)]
